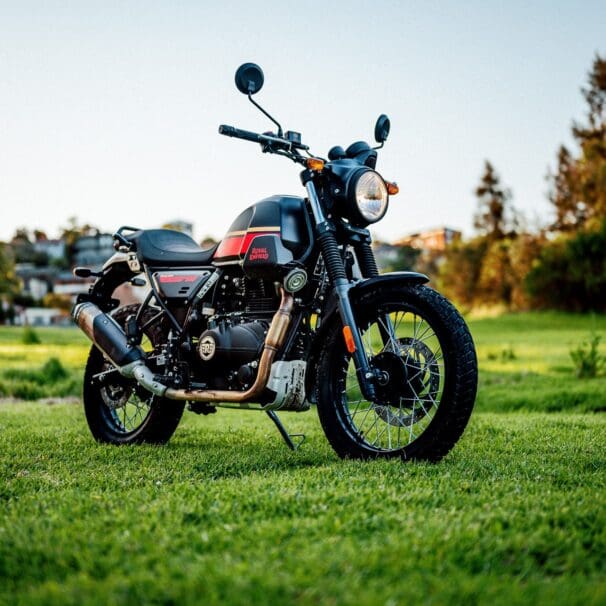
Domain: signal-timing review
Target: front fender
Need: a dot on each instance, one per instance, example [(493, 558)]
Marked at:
[(406, 278), (331, 314)]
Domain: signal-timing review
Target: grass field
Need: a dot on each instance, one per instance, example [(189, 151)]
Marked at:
[(524, 363), (226, 514)]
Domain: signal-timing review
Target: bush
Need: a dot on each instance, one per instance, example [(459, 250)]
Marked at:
[(587, 359), (53, 371), (50, 380), (30, 336), (570, 273)]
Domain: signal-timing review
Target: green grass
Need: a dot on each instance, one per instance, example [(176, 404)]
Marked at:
[(22, 366), (226, 514), (541, 376)]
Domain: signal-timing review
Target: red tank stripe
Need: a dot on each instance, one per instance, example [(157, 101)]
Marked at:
[(233, 246)]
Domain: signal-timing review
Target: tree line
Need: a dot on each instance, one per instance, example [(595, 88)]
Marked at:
[(563, 264)]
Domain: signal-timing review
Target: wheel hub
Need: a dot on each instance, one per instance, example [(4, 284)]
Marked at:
[(391, 374), (403, 380)]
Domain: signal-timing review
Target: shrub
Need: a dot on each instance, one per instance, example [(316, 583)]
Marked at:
[(570, 272), (53, 371), (30, 336), (587, 359), (50, 380)]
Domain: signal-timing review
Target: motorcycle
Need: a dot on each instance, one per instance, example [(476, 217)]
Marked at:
[(287, 311)]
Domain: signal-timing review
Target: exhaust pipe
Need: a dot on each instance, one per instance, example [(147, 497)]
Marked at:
[(106, 334), (109, 337)]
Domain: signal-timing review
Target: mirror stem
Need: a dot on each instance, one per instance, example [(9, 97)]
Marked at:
[(280, 133)]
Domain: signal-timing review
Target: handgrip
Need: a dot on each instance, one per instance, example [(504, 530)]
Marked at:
[(232, 131)]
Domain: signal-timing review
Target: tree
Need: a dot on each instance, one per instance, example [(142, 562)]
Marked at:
[(72, 232), (460, 271), (578, 187), (495, 280), (9, 282), (571, 212), (496, 218), (406, 259), (570, 272)]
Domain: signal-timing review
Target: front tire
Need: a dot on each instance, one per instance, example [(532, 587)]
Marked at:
[(118, 410), (420, 347)]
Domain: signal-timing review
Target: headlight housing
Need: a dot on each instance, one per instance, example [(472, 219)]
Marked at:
[(368, 198)]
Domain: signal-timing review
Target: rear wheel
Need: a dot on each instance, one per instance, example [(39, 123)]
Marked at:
[(118, 410), (420, 349)]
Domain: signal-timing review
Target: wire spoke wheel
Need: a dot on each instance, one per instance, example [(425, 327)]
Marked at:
[(425, 375), (405, 354), (127, 404), (118, 410), (127, 407)]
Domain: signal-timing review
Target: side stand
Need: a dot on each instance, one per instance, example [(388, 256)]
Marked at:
[(285, 435)]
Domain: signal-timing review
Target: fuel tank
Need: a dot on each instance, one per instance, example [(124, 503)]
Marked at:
[(280, 221)]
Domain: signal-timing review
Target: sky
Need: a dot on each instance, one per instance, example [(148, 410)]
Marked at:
[(109, 110)]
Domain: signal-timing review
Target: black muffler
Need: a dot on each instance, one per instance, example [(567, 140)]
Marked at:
[(106, 334)]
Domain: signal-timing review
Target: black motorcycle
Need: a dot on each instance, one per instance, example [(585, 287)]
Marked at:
[(288, 310)]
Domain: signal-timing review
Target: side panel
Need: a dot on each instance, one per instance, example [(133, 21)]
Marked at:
[(175, 284)]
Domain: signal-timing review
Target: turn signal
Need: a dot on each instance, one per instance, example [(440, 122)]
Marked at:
[(315, 164), (392, 188), (349, 339)]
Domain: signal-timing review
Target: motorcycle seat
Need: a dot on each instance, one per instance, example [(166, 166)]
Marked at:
[(169, 248)]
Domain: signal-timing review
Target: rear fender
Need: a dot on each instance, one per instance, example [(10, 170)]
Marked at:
[(115, 272), (331, 314)]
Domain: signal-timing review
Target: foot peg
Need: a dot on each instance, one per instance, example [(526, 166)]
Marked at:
[(288, 437)]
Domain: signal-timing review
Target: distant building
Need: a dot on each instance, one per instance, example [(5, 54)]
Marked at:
[(93, 251), (67, 284), (41, 316), (37, 281), (53, 249), (435, 240)]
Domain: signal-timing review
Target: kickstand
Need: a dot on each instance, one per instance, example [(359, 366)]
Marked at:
[(287, 436)]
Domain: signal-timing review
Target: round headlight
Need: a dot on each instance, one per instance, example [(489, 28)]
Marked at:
[(371, 196)]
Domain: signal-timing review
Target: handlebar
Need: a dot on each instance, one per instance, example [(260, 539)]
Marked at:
[(232, 131), (278, 143)]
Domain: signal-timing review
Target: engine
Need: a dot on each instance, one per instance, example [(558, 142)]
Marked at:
[(231, 346)]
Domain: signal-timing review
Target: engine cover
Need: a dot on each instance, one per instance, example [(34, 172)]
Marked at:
[(232, 345)]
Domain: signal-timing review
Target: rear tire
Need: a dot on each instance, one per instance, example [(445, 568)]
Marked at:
[(153, 419), (432, 395)]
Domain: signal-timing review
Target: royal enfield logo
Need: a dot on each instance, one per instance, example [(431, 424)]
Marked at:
[(207, 348), (258, 253)]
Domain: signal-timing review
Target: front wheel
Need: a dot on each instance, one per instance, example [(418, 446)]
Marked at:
[(423, 356)]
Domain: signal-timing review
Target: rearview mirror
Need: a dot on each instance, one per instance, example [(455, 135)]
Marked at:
[(249, 78), (382, 128)]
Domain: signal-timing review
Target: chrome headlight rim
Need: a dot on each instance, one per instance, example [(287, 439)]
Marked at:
[(358, 213)]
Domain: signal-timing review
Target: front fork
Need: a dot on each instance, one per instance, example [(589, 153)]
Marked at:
[(336, 272)]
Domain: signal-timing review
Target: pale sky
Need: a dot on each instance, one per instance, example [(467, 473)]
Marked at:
[(109, 110)]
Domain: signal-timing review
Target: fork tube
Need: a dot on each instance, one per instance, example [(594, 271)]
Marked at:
[(368, 266), (329, 246)]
